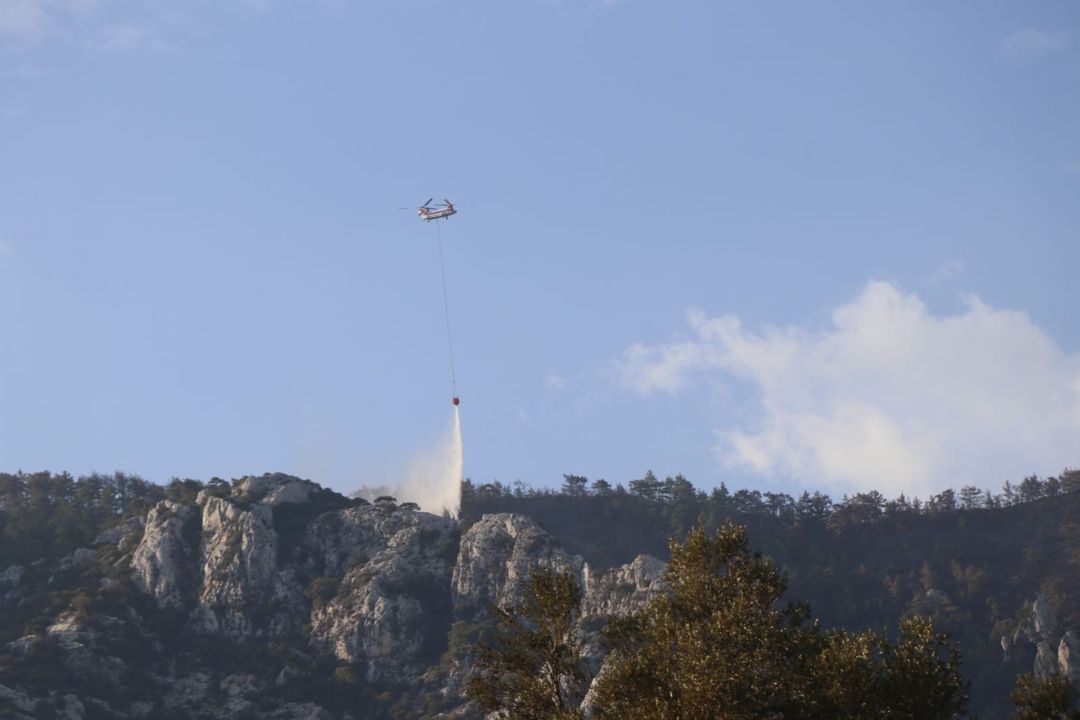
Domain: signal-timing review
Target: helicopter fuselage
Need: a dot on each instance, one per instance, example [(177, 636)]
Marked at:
[(435, 214)]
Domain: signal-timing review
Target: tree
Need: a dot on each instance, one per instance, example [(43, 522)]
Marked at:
[(781, 506), (1070, 480), (532, 669), (721, 645), (813, 508), (717, 645), (1048, 698), (1031, 488), (864, 675), (748, 502), (943, 502), (647, 487), (575, 485), (970, 497)]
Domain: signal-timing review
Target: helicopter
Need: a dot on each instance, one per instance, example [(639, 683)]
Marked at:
[(438, 212)]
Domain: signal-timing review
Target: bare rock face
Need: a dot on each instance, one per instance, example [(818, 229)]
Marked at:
[(10, 581), (124, 533), (1068, 657), (188, 691), (1045, 661), (619, 592), (158, 564), (396, 583), (18, 699), (299, 711), (342, 540), (1043, 618), (495, 558), (623, 590), (273, 489), (240, 577)]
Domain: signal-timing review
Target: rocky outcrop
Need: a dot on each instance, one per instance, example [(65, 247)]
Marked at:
[(10, 582), (299, 711), (240, 577), (495, 558), (623, 590), (159, 564), (123, 534), (17, 700), (273, 489), (1045, 660), (1043, 618), (1068, 657), (385, 613)]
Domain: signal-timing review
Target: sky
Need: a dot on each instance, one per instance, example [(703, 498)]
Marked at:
[(776, 245)]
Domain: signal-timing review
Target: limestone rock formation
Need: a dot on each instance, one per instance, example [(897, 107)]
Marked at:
[(622, 590), (238, 558), (395, 585), (1068, 657), (10, 580), (122, 534), (159, 562), (1043, 618), (1045, 660), (495, 558)]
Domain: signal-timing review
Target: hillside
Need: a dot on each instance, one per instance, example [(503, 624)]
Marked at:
[(975, 561), (270, 597)]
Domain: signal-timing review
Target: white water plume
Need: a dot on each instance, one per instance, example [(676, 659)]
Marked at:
[(433, 478)]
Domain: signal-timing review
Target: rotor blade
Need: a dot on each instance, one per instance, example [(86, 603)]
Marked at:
[(428, 202)]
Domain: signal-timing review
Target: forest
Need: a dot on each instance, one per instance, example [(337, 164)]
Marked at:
[(973, 560)]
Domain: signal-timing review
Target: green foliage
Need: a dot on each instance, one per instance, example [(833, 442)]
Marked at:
[(718, 645), (860, 561), (721, 645), (47, 516), (531, 670), (1048, 698), (863, 675), (345, 675)]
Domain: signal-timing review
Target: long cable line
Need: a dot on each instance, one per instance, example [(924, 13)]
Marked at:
[(446, 309)]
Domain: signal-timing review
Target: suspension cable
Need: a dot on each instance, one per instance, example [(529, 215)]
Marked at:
[(446, 309)]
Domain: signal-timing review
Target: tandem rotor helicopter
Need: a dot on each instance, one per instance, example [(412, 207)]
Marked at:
[(428, 213)]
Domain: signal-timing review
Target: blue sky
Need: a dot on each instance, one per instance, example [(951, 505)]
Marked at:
[(828, 245)]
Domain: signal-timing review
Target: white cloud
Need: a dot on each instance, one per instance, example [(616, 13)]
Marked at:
[(554, 381), (86, 23), (23, 19), (889, 396), (1029, 42), (127, 37)]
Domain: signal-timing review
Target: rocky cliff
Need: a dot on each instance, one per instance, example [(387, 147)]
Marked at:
[(275, 598)]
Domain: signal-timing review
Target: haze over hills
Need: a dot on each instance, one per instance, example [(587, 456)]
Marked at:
[(272, 597)]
